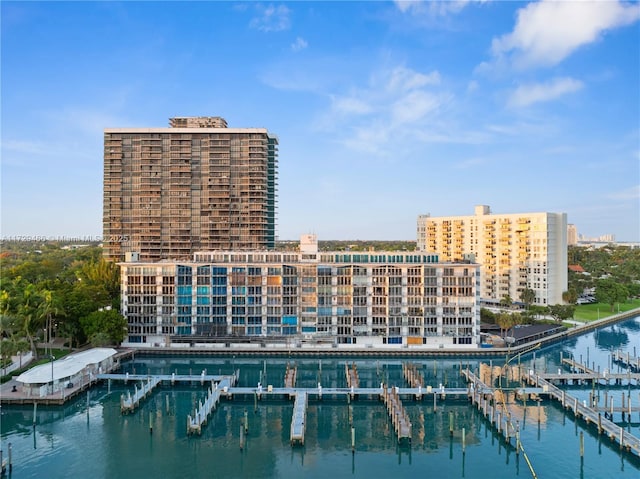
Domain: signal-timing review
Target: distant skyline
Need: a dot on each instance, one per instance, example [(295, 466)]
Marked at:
[(384, 110)]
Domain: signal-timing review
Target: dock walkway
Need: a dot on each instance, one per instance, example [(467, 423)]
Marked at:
[(628, 361), (129, 403), (616, 433), (204, 410), (397, 413), (298, 421)]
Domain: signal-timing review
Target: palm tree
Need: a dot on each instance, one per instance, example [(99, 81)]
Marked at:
[(505, 321)]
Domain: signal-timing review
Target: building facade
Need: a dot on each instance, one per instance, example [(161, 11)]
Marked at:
[(516, 251), (402, 298), (197, 185)]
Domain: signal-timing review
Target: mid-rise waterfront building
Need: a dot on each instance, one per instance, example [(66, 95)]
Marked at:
[(197, 185), (516, 251), (372, 298)]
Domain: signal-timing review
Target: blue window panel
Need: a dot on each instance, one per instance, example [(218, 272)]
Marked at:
[(218, 271), (203, 290), (184, 319), (290, 320), (219, 300), (288, 330), (238, 300), (396, 340), (238, 311), (219, 291), (308, 329), (239, 290), (309, 309), (254, 320), (203, 300), (183, 290), (135, 339), (324, 311), (254, 330), (183, 330), (184, 300), (237, 320), (273, 320)]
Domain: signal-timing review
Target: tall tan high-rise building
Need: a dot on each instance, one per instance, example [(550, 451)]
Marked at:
[(516, 251), (197, 185), (572, 235)]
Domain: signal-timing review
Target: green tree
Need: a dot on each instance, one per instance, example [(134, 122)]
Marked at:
[(505, 321), (108, 322), (610, 292), (560, 312), (570, 296), (506, 301), (527, 296)]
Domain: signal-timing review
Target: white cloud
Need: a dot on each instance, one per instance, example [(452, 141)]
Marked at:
[(271, 18), (414, 106), (405, 79), (350, 106), (547, 32), (299, 44), (526, 95), (632, 193), (432, 8)]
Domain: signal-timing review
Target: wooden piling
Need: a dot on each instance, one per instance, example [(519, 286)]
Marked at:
[(150, 422), (581, 444), (451, 424), (463, 440), (353, 439)]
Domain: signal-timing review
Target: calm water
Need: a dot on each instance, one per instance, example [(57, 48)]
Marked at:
[(94, 440)]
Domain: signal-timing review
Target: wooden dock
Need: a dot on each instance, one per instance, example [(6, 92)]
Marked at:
[(397, 413), (616, 433), (129, 403), (353, 380), (290, 376), (298, 421), (627, 360), (413, 377)]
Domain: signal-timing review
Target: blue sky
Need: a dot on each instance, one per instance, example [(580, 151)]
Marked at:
[(384, 110)]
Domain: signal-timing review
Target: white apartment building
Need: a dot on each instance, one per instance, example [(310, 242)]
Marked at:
[(372, 298), (516, 251)]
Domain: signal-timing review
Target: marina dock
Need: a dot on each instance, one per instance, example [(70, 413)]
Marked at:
[(129, 403), (204, 410), (298, 421), (353, 380), (627, 360), (590, 415), (397, 413)]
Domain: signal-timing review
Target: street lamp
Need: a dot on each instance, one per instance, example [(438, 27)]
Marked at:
[(52, 358)]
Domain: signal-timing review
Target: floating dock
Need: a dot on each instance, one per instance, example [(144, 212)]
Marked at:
[(298, 421)]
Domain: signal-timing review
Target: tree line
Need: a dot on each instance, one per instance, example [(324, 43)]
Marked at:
[(50, 292)]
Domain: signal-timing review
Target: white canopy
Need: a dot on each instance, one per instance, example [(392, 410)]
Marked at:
[(65, 367)]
